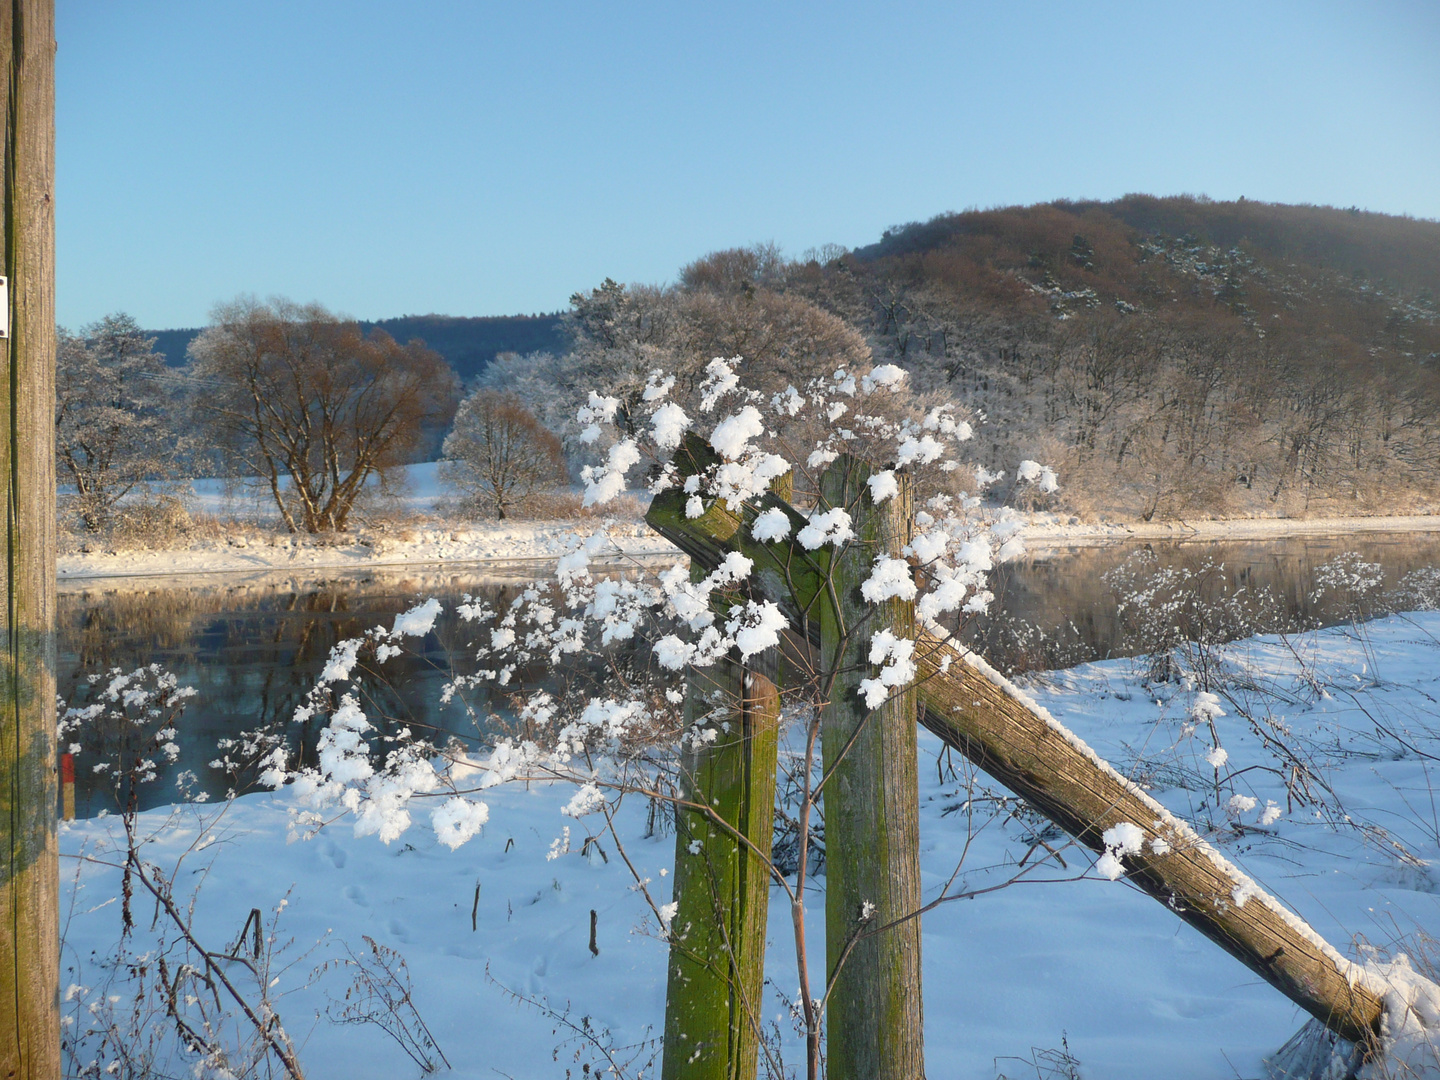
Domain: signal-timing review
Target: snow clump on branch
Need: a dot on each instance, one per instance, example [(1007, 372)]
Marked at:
[(617, 641)]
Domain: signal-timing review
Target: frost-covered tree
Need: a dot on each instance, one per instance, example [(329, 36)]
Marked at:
[(300, 398), (113, 416), (724, 307), (498, 453)]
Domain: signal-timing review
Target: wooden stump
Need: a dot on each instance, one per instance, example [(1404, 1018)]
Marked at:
[(874, 1020), (722, 883)]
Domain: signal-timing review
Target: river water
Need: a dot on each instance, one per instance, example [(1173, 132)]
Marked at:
[(252, 646)]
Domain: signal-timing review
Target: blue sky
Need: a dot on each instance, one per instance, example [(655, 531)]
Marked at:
[(480, 159)]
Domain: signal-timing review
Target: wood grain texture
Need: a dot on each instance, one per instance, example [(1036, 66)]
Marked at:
[(29, 883), (722, 884), (874, 1022)]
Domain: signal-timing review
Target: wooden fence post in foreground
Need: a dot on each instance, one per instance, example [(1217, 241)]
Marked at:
[(975, 711), (29, 867), (722, 885), (874, 1027)]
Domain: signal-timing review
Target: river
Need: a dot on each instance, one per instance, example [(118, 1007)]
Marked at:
[(252, 646)]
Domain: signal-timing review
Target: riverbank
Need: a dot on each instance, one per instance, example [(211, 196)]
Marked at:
[(499, 543), (1060, 528), (530, 542)]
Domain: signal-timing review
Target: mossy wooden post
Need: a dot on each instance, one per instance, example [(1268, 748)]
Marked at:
[(974, 711), (29, 877), (722, 884), (873, 1025)]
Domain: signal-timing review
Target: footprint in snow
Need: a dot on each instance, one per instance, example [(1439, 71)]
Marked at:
[(335, 854), (356, 896)]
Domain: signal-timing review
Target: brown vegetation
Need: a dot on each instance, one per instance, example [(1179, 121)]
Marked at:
[(1172, 356), (300, 398)]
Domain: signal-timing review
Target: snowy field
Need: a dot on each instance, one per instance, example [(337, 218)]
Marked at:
[(1131, 990)]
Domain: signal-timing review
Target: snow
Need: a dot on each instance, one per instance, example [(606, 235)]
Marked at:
[(1071, 531), (418, 621), (669, 424), (1136, 992), (731, 438), (889, 579), (830, 527), (771, 525), (507, 541), (883, 485)]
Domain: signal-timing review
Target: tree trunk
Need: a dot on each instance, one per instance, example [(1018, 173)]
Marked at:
[(874, 1024), (29, 877), (722, 884)]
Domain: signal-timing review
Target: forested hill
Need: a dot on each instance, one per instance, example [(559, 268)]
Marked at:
[(1174, 355), (469, 344), (1370, 280)]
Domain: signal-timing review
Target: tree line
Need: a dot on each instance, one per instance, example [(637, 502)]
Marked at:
[(1263, 360)]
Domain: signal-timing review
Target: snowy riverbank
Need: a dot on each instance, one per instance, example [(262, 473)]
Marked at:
[(1131, 990), (1068, 530)]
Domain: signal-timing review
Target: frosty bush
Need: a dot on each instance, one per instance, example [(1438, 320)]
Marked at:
[(611, 721), (172, 1004)]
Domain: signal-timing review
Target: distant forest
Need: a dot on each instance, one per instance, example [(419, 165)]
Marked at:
[(1169, 357), (469, 344), (1172, 356)]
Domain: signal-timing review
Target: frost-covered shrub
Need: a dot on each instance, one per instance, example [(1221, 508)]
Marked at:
[(1348, 584), (1418, 590), (1174, 616), (623, 642), (123, 728), (157, 520)]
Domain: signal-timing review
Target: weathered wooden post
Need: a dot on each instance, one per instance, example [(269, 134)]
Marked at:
[(874, 1022), (29, 875), (978, 713), (722, 876)]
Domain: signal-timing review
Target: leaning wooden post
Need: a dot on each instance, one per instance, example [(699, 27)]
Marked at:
[(29, 874), (874, 1020), (722, 884)]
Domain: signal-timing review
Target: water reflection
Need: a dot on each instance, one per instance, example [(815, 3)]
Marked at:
[(1063, 593), (252, 647)]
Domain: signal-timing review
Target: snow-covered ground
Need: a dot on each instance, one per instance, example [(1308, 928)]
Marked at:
[(418, 491), (1131, 990), (248, 552)]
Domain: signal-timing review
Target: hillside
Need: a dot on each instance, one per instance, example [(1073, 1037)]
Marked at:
[(469, 344), (1371, 279), (1175, 355)]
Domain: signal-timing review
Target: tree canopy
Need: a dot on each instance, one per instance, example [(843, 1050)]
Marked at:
[(304, 400)]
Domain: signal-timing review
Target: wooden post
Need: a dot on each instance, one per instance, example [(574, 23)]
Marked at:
[(874, 1021), (722, 886), (29, 868), (996, 729), (67, 787), (980, 715)]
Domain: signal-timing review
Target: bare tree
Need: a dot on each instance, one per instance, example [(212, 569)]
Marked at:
[(302, 399), (111, 428), (498, 452)]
